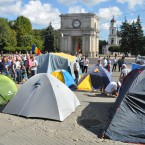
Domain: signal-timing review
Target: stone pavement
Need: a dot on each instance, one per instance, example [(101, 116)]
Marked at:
[(80, 128)]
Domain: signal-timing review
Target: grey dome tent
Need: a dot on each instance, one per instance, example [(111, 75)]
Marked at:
[(43, 96), (48, 63), (128, 121)]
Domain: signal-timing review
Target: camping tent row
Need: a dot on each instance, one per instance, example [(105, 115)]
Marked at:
[(128, 114), (46, 97)]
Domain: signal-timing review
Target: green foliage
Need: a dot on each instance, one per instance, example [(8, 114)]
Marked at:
[(37, 38), (17, 35), (101, 43), (7, 35), (9, 49), (23, 28), (132, 37), (49, 41), (114, 48)]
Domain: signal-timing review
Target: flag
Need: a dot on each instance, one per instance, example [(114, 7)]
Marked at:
[(33, 48), (36, 50), (39, 52)]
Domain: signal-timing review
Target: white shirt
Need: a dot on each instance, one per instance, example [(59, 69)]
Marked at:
[(18, 64), (111, 87), (125, 71), (115, 61), (34, 62), (86, 62), (105, 62), (76, 66)]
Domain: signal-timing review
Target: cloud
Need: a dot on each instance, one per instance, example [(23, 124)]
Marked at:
[(10, 7), (131, 20), (86, 2), (107, 13), (104, 26), (76, 9), (41, 14), (132, 3)]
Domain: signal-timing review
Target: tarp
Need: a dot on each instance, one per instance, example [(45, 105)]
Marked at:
[(96, 78), (47, 63), (71, 58), (135, 66), (43, 96), (8, 89), (64, 77), (128, 122)]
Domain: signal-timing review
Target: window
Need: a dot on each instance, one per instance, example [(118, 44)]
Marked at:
[(112, 40)]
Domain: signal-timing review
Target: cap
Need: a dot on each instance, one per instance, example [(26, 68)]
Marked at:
[(124, 65)]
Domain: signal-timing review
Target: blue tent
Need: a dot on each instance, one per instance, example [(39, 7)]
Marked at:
[(64, 76), (96, 78)]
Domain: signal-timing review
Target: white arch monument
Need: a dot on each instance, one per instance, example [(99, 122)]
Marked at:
[(79, 34)]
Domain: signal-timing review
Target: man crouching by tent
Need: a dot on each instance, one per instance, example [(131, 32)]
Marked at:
[(113, 88)]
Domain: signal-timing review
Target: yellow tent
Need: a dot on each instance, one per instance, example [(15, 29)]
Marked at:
[(71, 58)]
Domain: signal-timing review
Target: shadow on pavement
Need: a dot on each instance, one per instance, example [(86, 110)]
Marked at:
[(95, 117), (100, 95)]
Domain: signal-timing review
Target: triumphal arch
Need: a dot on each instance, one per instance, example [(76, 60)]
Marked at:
[(79, 33)]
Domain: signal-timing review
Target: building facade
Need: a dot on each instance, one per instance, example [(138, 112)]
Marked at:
[(79, 34)]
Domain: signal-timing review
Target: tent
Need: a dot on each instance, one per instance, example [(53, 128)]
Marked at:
[(47, 63), (71, 59), (46, 97), (96, 78), (128, 121), (8, 89), (64, 77)]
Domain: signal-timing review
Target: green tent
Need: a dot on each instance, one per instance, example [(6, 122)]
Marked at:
[(8, 89)]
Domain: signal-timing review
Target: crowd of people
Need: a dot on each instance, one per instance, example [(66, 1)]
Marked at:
[(19, 67)]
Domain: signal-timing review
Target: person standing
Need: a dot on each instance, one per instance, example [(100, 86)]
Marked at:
[(104, 62), (4, 66), (86, 63), (28, 64), (125, 70), (99, 63), (34, 66), (76, 71), (82, 64), (115, 61), (119, 65)]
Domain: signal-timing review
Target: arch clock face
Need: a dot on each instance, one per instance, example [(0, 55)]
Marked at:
[(76, 23)]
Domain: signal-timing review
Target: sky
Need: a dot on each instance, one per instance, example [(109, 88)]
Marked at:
[(42, 12)]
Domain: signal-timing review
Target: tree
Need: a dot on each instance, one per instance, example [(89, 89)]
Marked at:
[(57, 39), (114, 48), (23, 28), (101, 44), (139, 37), (124, 42), (37, 38), (49, 43), (132, 37), (7, 35)]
